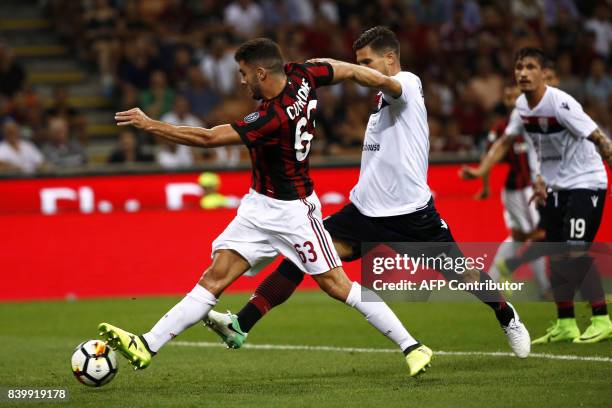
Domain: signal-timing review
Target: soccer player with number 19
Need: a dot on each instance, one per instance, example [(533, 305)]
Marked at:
[(281, 214), (571, 186)]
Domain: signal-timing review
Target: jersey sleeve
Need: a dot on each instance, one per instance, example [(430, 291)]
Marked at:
[(411, 88), (570, 115), (258, 128), (321, 73), (515, 124)]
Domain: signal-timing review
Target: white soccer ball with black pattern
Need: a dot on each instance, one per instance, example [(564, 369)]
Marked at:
[(94, 363)]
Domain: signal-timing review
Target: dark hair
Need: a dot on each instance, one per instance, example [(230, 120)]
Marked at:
[(261, 51), (535, 53), (379, 38)]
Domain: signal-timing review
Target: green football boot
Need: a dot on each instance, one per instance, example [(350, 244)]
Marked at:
[(131, 346), (226, 325), (505, 274), (563, 330), (419, 360), (600, 329)]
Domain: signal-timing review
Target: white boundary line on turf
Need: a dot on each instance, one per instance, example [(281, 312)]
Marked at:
[(381, 350)]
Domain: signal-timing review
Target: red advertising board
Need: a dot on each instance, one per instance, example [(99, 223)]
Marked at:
[(146, 234)]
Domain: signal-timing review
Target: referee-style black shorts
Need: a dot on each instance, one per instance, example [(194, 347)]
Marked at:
[(573, 215), (351, 226)]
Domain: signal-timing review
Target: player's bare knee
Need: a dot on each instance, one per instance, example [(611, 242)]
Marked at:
[(518, 235)]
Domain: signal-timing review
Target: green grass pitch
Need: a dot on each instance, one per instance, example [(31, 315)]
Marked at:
[(37, 339)]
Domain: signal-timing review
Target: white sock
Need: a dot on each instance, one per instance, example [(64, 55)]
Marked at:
[(506, 249), (379, 315), (193, 308)]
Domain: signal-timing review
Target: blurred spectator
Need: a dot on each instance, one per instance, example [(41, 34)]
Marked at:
[(173, 156), (202, 98), (553, 9), (469, 11), (600, 25), (180, 114), (101, 26), (470, 116), (430, 12), (436, 136), (569, 82), (219, 67), (487, 84), (12, 74), (128, 150), (179, 70), (598, 85), (455, 142), (529, 10), (457, 35), (138, 63), (61, 107), (244, 16), (17, 155), (61, 150), (158, 99)]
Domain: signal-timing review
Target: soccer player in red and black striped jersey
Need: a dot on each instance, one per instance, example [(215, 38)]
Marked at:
[(521, 216), (281, 214)]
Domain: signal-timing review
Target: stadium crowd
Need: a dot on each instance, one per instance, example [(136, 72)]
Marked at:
[(174, 59)]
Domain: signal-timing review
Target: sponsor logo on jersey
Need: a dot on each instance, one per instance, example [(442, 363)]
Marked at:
[(301, 100), (251, 117), (564, 105), (594, 200), (371, 147)]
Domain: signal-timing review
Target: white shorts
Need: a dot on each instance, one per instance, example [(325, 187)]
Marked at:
[(518, 213), (266, 227)]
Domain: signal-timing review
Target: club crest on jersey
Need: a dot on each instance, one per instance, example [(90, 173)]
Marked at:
[(543, 122), (251, 117)]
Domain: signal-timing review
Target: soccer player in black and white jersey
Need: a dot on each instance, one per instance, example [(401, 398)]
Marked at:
[(391, 201), (281, 214), (571, 184), (520, 214)]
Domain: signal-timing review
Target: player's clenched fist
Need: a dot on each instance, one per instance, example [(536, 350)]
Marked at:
[(134, 117)]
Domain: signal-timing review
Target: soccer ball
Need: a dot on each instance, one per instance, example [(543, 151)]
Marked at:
[(94, 363)]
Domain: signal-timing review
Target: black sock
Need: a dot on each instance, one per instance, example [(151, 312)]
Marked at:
[(413, 347), (248, 316), (599, 308), (504, 314), (564, 311)]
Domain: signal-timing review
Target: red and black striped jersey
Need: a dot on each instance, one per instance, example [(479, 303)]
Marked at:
[(519, 172), (278, 134)]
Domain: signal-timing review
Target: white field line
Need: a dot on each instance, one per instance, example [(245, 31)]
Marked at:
[(381, 350)]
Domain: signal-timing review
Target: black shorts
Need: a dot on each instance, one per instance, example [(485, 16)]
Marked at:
[(351, 226), (573, 215)]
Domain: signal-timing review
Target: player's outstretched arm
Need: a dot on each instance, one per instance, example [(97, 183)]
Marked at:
[(222, 135), (498, 151), (603, 144), (363, 76)]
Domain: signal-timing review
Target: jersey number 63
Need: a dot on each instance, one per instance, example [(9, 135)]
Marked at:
[(302, 135)]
